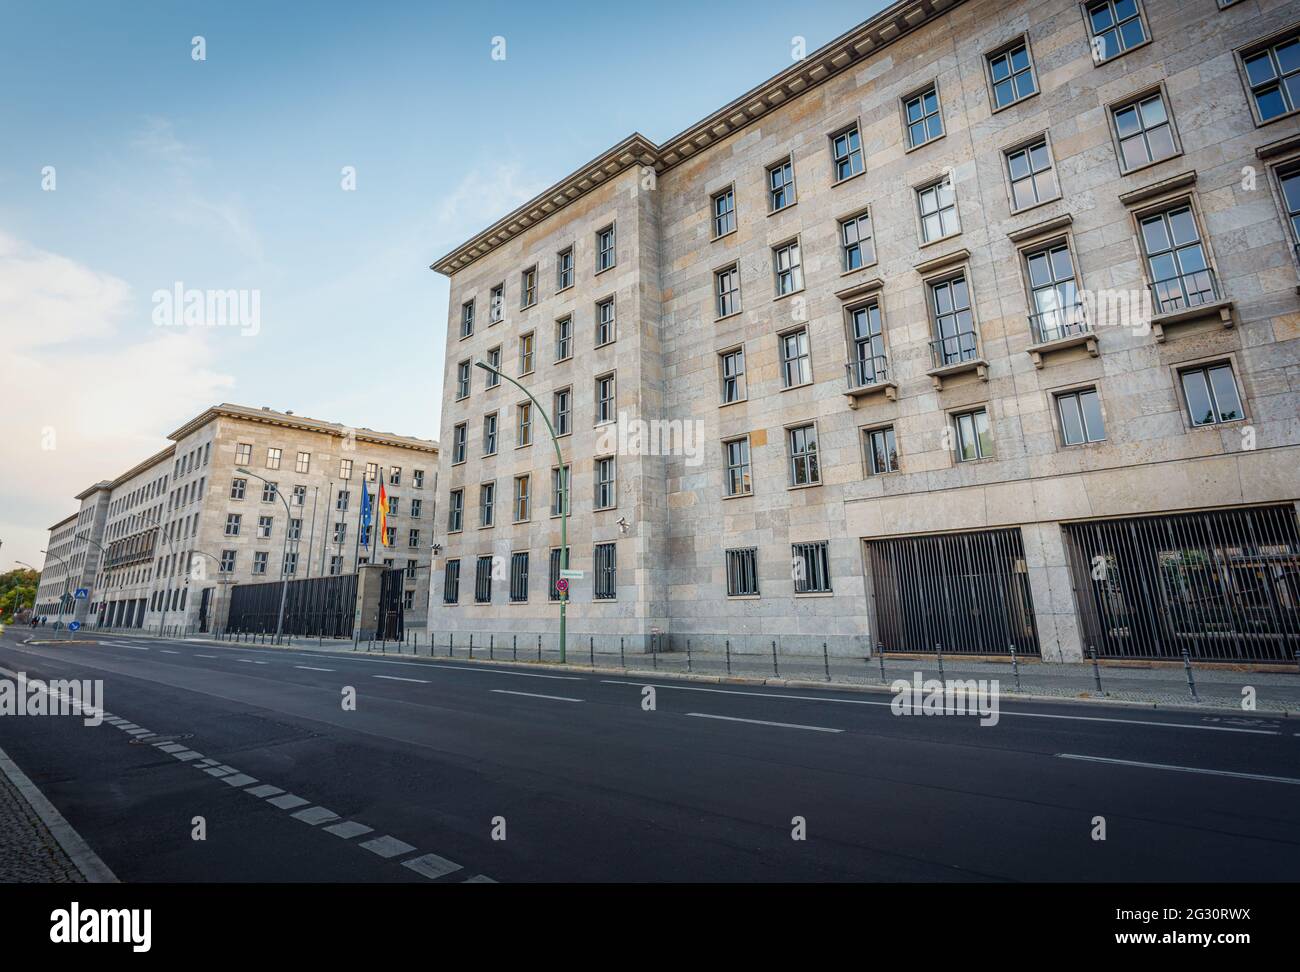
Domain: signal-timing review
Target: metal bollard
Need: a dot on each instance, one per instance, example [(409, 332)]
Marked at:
[(492, 647), (451, 644), (728, 656), (880, 653), (1191, 682), (1015, 666), (776, 671), (591, 650), (939, 651), (690, 667), (826, 661), (654, 658), (471, 646), (622, 657), (539, 647), (514, 647), (1096, 669)]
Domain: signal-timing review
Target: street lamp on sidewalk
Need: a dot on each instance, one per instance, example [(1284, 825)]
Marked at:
[(284, 552), (564, 500), (67, 576)]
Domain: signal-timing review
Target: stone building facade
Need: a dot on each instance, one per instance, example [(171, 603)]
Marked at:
[(164, 542), (984, 317)]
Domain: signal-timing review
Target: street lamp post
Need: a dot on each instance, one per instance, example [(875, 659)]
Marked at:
[(18, 597), (67, 576), (564, 502), (103, 550), (284, 553)]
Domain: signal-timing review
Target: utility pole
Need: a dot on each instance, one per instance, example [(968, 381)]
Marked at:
[(284, 553)]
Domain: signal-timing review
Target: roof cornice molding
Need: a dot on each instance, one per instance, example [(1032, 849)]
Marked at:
[(245, 413), (847, 50)]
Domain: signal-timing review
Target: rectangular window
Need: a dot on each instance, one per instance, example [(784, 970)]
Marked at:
[(260, 560), (415, 508), (264, 525), (413, 538), (1273, 74), (1116, 26), (924, 119), (237, 487), (974, 440), (804, 467), (846, 153), (487, 494), (731, 366), (605, 574), (1211, 394), (268, 492), (552, 590), (604, 322), (561, 416), (857, 244), (227, 561), (1012, 75), (605, 248), (736, 453), (724, 212), (559, 483), (336, 565), (340, 532), (494, 362), (519, 577), (411, 567), (295, 529), (605, 399), (868, 364), (390, 540), (938, 207), (742, 572), (1080, 414), (303, 463), (456, 511), (451, 582), (345, 469), (272, 458), (372, 472), (605, 494), (524, 424), (490, 434), (787, 268), (232, 524), (483, 581), (496, 303), (954, 324), (408, 600), (564, 339), (564, 269), (300, 496), (1176, 261), (467, 318), (1032, 176), (1144, 132), (528, 288), (462, 380), (812, 567), (244, 453), (459, 443), (780, 185), (726, 291), (796, 360), (526, 344), (882, 452), (523, 508), (343, 499), (290, 562), (1054, 294)]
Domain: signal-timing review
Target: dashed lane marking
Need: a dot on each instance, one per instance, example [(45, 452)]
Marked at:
[(762, 722), (1198, 770), (431, 866), (534, 695), (397, 678), (387, 846), (309, 668), (348, 829), (315, 815), (289, 801)]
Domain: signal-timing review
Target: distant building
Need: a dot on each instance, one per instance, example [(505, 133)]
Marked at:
[(166, 533), (975, 329)]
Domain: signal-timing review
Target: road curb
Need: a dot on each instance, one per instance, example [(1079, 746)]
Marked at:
[(85, 860)]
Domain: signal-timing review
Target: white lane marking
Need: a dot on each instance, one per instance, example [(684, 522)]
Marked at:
[(398, 678), (315, 815), (239, 779), (762, 722), (168, 651), (387, 846), (196, 655), (1004, 712), (289, 801), (431, 866), (1182, 769), (501, 671), (534, 695), (348, 829), (309, 668), (264, 791)]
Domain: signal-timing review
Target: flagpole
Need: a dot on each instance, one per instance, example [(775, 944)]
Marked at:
[(325, 527)]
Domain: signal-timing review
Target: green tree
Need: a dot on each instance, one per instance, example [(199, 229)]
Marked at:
[(17, 591)]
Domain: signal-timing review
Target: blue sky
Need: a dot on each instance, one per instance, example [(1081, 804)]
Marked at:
[(225, 174)]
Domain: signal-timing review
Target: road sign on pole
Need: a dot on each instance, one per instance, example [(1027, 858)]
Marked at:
[(571, 575), (81, 594), (562, 585), (74, 625)]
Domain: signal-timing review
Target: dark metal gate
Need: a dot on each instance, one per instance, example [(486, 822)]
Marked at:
[(963, 592), (313, 607), (203, 608), (391, 621), (1222, 584)]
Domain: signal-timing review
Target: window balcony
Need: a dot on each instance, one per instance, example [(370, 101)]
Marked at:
[(867, 376), (1186, 298), (956, 355), (1058, 330)]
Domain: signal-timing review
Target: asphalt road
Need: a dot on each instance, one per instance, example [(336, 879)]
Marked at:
[(590, 786)]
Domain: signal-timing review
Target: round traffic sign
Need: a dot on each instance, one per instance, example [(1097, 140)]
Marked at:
[(562, 584), (74, 626)]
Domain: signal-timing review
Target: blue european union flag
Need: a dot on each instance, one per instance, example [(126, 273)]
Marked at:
[(365, 516)]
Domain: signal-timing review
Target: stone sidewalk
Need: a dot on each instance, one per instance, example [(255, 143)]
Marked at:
[(29, 851)]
